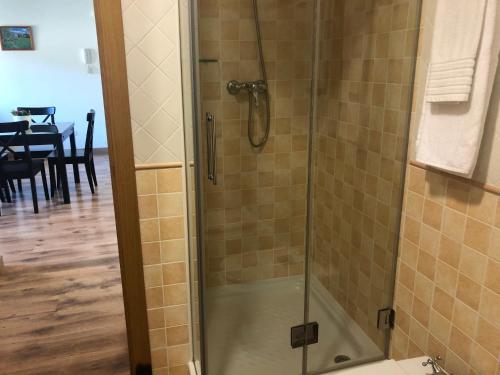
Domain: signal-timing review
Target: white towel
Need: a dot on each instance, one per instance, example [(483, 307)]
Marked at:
[(457, 32), (449, 134)]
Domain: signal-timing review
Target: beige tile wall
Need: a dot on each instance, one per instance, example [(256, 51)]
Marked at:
[(447, 288), (153, 67), (448, 282), (256, 213), (161, 210), (366, 53)]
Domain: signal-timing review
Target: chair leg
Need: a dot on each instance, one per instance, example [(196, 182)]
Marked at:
[(2, 196), (7, 193), (45, 186), (33, 194), (89, 177), (52, 177), (12, 187), (20, 185), (92, 165), (76, 173)]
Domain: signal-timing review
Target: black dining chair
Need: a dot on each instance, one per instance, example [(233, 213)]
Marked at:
[(81, 156), (42, 151), (48, 112), (23, 168), (37, 151)]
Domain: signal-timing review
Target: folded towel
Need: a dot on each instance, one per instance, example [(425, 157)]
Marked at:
[(457, 33), (449, 134)]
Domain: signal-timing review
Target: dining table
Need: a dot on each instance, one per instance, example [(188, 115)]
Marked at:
[(65, 130)]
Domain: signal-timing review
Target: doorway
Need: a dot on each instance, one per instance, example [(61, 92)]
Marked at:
[(67, 284)]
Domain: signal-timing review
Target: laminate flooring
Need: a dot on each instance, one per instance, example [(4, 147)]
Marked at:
[(61, 303)]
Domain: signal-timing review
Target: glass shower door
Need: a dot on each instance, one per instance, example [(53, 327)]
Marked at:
[(192, 178), (253, 190), (364, 81), (339, 185)]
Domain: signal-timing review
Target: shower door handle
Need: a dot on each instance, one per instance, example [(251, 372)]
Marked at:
[(211, 147)]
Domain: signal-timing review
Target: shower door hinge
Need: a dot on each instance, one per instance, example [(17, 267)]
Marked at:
[(386, 318), (304, 334)]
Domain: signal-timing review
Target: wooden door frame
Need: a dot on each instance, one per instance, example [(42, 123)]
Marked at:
[(111, 40)]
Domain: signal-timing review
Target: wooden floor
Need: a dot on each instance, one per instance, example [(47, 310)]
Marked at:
[(61, 304)]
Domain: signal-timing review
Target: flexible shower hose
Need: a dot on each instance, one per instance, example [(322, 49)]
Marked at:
[(262, 141)]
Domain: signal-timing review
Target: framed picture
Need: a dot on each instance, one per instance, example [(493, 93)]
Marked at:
[(16, 38)]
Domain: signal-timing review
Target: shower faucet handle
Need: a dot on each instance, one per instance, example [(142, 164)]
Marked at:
[(234, 87)]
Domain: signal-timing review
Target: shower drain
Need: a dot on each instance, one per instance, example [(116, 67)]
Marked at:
[(342, 358)]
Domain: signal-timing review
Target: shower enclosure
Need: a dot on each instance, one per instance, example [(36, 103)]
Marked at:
[(296, 124)]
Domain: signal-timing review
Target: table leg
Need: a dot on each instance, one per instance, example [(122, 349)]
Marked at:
[(76, 172), (61, 166)]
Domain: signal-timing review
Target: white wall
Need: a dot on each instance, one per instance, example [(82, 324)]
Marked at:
[(54, 73)]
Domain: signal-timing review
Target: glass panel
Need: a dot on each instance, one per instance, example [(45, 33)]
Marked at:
[(364, 84), (254, 198), (189, 116)]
